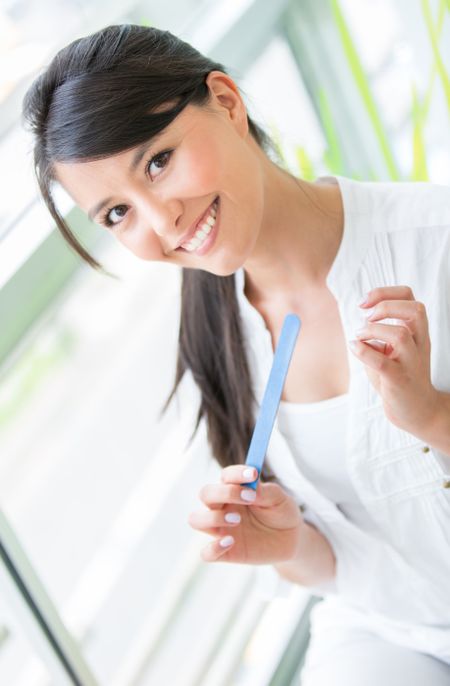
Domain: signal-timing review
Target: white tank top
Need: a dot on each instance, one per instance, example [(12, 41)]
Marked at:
[(315, 433)]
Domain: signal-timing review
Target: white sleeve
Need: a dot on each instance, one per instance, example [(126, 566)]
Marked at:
[(354, 552), (326, 587), (270, 584), (368, 571)]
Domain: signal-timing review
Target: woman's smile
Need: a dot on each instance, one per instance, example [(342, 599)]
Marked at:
[(205, 235)]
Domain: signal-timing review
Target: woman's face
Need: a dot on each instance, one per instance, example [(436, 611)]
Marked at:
[(152, 196)]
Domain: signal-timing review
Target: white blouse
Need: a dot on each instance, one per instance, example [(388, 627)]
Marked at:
[(396, 578), (317, 437)]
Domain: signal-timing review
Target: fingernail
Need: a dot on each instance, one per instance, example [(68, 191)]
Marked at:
[(233, 517), (227, 541), (360, 332), (352, 345), (248, 495), (249, 473), (364, 302), (369, 313)]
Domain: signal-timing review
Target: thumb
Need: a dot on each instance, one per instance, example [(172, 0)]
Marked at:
[(276, 508), (270, 494)]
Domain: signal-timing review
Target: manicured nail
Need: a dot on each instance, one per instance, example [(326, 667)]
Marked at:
[(248, 495), (249, 473), (352, 345), (233, 517), (369, 313), (227, 541)]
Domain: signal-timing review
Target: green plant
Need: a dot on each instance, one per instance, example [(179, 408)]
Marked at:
[(419, 170), (333, 158), (433, 34), (363, 87)]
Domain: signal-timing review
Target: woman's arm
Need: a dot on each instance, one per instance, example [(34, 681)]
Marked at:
[(314, 561)]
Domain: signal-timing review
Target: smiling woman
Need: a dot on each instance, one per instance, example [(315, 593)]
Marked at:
[(153, 140), (137, 125), (154, 194)]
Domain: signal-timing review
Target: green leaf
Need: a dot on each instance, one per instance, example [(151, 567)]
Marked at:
[(433, 73), (333, 155), (419, 170), (306, 167), (434, 40), (362, 85), (274, 133)]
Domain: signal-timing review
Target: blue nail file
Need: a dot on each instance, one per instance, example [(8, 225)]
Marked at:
[(272, 396)]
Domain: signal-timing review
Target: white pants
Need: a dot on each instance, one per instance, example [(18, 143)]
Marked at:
[(342, 653)]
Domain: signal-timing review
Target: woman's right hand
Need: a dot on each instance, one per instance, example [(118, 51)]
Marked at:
[(270, 526)]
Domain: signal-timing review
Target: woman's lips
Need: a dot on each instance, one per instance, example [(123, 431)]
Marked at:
[(196, 226), (206, 246), (209, 240)]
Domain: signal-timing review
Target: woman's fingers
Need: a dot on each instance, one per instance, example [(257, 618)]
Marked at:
[(255, 535), (211, 520), (217, 549), (398, 337), (236, 474), (410, 311), (231, 491), (215, 496), (217, 523)]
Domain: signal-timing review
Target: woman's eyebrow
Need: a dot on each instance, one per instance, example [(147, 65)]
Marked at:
[(137, 157), (140, 152), (142, 149)]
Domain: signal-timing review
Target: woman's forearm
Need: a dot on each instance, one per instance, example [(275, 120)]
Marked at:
[(314, 561), (437, 432)]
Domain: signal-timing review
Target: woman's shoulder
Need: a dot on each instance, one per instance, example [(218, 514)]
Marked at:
[(400, 205)]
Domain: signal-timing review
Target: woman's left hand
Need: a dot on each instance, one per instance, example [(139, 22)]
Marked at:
[(399, 366)]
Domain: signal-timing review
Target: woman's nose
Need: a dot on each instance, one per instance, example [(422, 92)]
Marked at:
[(162, 216)]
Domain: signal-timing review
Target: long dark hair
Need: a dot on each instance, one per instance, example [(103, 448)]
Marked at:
[(95, 99)]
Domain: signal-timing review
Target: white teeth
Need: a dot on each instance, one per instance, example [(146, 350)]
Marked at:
[(202, 233)]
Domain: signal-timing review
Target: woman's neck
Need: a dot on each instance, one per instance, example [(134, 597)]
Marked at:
[(299, 237)]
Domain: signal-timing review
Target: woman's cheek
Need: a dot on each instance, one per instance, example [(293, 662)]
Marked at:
[(143, 244), (197, 174)]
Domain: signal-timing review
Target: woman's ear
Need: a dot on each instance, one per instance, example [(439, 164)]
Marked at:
[(226, 96)]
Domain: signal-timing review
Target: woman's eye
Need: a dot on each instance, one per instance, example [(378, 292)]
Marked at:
[(114, 215), (160, 160)]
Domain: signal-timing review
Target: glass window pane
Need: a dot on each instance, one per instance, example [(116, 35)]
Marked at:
[(19, 663)]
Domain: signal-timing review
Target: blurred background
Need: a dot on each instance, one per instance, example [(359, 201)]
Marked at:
[(101, 580)]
